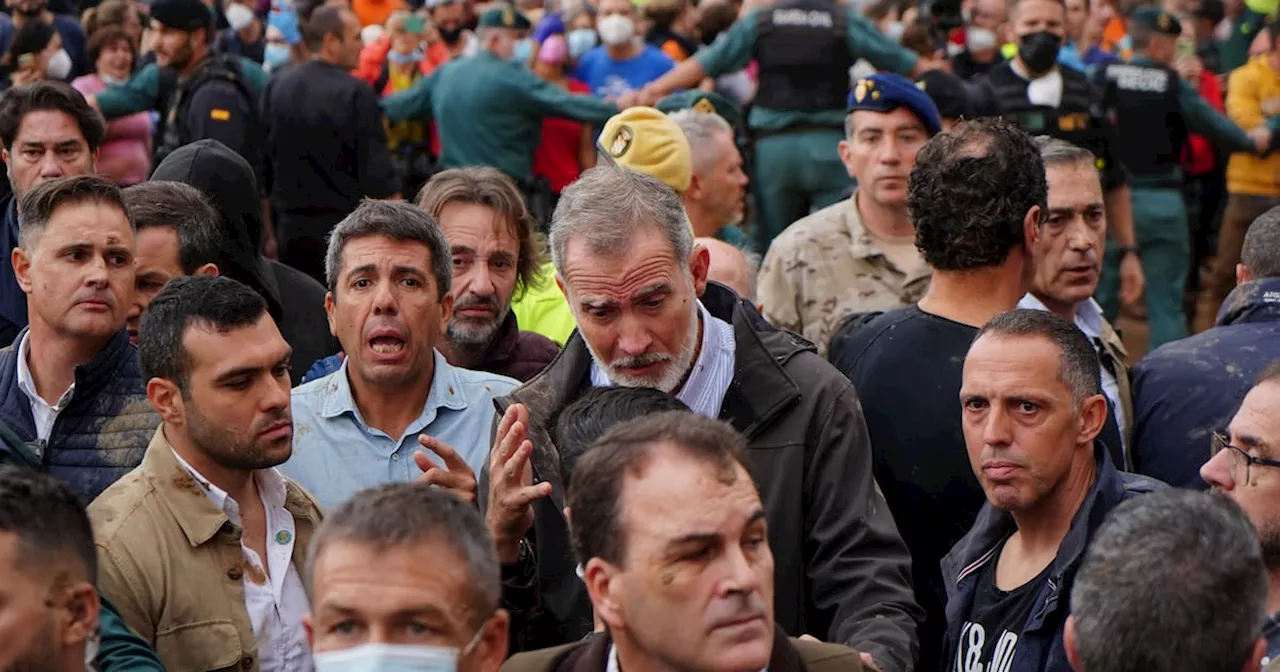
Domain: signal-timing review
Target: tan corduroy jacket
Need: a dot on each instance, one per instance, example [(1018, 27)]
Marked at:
[(171, 562)]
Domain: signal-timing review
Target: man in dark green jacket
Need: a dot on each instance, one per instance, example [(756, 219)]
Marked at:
[(488, 108), (41, 514)]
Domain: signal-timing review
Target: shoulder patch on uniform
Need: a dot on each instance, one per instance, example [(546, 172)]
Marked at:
[(621, 141), (218, 114)]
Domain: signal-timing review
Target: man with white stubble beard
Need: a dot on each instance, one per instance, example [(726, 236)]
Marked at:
[(647, 317)]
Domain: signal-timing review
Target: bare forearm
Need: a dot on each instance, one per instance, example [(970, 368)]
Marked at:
[(1120, 216), (685, 75)]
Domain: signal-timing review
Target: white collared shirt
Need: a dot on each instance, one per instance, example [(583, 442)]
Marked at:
[(42, 412), (276, 607), (1089, 320), (704, 389)]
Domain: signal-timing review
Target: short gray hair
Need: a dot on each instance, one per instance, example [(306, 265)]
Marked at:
[(608, 204), (1261, 249), (701, 128), (1057, 152), (1078, 364), (1173, 580), (396, 515), (396, 220)]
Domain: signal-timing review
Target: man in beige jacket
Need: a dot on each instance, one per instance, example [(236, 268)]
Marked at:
[(203, 546)]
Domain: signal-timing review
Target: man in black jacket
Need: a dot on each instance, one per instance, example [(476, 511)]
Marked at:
[(326, 146), (296, 302), (647, 317)]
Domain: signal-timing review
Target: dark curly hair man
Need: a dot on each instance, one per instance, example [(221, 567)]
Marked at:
[(975, 197)]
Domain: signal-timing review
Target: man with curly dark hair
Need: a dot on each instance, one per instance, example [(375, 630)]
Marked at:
[(975, 196)]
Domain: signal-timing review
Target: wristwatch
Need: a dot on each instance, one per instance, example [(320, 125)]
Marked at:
[(1127, 250)]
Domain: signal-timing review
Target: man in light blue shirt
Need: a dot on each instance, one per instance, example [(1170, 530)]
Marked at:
[(388, 268)]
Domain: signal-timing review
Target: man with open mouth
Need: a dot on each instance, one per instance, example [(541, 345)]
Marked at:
[(389, 274)]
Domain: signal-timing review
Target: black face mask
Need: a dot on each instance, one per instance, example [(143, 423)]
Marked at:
[(451, 35), (1039, 51)]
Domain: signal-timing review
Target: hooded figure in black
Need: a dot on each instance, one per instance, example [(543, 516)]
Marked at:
[(295, 300)]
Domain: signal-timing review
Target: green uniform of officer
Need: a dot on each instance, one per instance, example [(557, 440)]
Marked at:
[(488, 108), (804, 49), (1155, 111)]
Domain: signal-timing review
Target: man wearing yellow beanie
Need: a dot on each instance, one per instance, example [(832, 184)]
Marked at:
[(646, 141)]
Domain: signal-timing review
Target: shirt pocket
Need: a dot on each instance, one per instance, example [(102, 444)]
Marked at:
[(201, 647)]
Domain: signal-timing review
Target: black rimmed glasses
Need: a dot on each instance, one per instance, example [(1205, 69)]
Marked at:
[(1240, 459)]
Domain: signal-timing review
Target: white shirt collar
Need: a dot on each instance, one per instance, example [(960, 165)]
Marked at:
[(1088, 317), (270, 483), (712, 371), (27, 383)]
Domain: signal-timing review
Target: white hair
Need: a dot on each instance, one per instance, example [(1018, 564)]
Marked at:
[(701, 129)]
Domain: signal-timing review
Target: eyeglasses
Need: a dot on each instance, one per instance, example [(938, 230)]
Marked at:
[(1240, 459)]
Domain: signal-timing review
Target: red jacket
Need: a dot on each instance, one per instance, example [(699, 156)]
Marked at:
[(1199, 156)]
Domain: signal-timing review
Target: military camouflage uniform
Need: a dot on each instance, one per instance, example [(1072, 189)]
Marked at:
[(825, 267)]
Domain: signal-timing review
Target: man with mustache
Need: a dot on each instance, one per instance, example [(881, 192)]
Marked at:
[(497, 252), (203, 546), (1031, 408), (70, 385), (389, 301), (1068, 259), (673, 541), (1246, 467), (647, 317), (860, 254)]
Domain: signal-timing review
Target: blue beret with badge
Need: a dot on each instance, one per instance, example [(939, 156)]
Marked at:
[(885, 92)]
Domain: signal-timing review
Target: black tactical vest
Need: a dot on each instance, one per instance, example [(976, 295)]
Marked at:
[(802, 47), (175, 97), (1148, 117), (1075, 120)]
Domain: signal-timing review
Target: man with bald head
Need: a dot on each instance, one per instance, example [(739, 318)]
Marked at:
[(732, 267)]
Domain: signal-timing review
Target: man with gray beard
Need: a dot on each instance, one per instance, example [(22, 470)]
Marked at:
[(647, 317), (1246, 466), (497, 251)]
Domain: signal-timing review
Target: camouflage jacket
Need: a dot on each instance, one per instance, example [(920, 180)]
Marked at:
[(105, 428), (826, 267)]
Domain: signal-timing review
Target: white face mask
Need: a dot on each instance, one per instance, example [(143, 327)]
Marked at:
[(894, 31), (977, 38), (239, 17), (616, 29), (394, 658), (59, 65)]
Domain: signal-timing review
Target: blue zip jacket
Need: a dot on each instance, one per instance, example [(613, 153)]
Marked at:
[(1040, 647), (104, 430)]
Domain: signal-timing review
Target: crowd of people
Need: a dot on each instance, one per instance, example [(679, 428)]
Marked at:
[(600, 335)]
